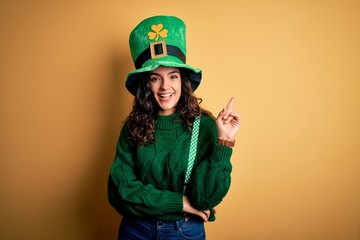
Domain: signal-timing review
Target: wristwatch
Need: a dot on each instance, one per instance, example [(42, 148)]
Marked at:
[(226, 142)]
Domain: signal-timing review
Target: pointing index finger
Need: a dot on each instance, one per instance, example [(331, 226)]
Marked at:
[(230, 104)]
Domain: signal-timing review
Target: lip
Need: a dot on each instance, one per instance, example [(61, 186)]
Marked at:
[(165, 96)]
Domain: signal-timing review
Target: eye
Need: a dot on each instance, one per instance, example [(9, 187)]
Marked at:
[(174, 76), (154, 78)]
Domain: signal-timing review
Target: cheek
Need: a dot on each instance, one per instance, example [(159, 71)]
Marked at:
[(179, 88), (178, 85), (153, 87)]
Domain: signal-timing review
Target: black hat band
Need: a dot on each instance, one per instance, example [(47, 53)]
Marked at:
[(157, 50)]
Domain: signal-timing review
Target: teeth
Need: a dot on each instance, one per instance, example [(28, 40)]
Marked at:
[(166, 95)]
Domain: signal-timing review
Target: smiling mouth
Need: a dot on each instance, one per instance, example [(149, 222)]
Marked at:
[(166, 96)]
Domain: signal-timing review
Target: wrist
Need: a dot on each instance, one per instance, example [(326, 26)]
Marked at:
[(225, 142)]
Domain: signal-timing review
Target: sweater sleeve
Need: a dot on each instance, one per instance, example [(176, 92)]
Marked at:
[(211, 178), (128, 195)]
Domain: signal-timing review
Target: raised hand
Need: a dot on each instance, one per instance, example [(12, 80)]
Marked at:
[(228, 122)]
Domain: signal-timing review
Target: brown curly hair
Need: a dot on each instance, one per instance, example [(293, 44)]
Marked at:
[(141, 121)]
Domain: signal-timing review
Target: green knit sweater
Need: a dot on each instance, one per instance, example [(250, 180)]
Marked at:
[(148, 181)]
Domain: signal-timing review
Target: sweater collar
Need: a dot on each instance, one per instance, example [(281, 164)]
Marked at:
[(168, 122)]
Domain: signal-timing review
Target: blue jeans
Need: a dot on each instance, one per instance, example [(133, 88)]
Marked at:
[(187, 228)]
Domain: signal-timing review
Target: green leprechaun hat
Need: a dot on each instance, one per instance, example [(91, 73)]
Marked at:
[(159, 41)]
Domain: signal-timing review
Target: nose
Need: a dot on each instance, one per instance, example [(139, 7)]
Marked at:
[(165, 84)]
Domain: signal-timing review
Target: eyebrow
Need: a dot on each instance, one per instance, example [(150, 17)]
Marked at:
[(175, 71)]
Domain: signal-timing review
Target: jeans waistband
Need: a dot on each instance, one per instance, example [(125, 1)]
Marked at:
[(163, 224)]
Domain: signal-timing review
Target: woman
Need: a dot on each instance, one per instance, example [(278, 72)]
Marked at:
[(172, 163)]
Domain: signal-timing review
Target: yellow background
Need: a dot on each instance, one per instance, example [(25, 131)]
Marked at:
[(292, 66)]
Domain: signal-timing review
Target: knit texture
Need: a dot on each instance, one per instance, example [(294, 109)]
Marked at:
[(147, 181)]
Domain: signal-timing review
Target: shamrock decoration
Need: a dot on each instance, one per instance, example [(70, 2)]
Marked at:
[(157, 31)]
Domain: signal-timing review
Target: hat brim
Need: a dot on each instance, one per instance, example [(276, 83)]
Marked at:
[(132, 79)]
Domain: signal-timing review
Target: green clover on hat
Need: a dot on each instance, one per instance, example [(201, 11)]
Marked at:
[(159, 41)]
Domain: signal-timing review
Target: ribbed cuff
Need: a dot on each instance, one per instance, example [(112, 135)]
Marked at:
[(175, 202), (221, 153)]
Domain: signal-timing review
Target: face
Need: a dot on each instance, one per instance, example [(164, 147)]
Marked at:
[(165, 84)]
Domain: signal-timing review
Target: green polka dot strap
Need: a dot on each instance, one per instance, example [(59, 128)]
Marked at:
[(192, 152)]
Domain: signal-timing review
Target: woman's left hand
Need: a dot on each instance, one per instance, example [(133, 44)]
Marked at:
[(228, 122)]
